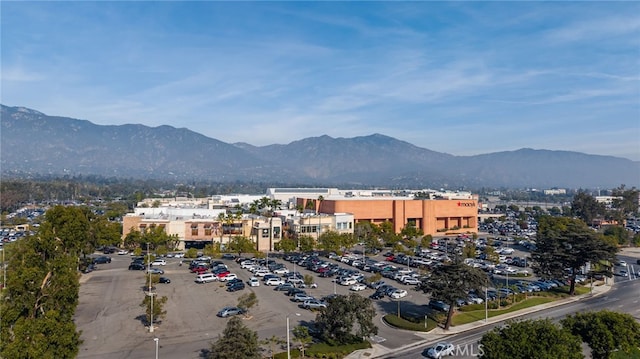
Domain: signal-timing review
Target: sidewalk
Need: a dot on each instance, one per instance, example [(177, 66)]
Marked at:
[(379, 351)]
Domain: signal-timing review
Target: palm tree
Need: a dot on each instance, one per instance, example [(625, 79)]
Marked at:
[(320, 199), (253, 210)]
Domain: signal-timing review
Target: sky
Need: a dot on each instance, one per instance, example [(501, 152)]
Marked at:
[(462, 78)]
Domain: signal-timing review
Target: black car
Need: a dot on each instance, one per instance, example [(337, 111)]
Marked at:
[(293, 291), (137, 266), (229, 256), (102, 260), (377, 295), (164, 280), (235, 286), (230, 282)]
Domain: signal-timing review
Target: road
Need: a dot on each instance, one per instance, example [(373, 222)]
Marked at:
[(623, 297)]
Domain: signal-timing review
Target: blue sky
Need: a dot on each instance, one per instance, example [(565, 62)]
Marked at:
[(457, 77)]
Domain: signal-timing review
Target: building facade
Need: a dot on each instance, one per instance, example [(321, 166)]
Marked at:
[(435, 217)]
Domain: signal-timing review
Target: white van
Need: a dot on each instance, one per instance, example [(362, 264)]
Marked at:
[(206, 278)]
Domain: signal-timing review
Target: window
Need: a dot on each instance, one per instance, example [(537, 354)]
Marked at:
[(208, 230), (194, 229)]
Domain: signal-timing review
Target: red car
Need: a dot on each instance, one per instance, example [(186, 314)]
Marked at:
[(199, 270), (222, 274)]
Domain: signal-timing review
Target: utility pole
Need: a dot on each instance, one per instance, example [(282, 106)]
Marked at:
[(150, 289)]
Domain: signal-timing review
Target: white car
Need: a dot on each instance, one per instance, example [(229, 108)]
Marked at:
[(358, 287), (123, 252), (261, 273), (179, 255), (506, 251), (159, 262), (440, 350), (410, 281), (398, 293), (228, 277), (281, 271), (254, 282), (274, 281), (349, 281)]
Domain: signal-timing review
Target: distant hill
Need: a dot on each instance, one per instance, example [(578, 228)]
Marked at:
[(33, 143)]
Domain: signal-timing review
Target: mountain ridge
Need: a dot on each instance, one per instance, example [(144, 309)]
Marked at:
[(62, 145)]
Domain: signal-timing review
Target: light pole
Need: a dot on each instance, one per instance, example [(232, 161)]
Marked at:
[(288, 337), (486, 305), (150, 288), (156, 340)]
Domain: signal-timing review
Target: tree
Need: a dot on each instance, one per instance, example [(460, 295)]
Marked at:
[(605, 331), (388, 235), (241, 244), (42, 287), (410, 231), (563, 243), (625, 203), (306, 243), (585, 207), (540, 339), (451, 282), (158, 307), (347, 319), (618, 234), (272, 342), (237, 341), (247, 301), (330, 241), (301, 333), (286, 244)]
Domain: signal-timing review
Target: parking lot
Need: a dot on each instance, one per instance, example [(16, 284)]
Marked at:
[(111, 319)]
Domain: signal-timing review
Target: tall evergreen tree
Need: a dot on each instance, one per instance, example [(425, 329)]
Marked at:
[(451, 282), (347, 319), (567, 243), (237, 342)]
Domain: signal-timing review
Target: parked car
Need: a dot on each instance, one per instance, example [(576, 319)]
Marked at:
[(164, 280), (440, 350), (235, 286), (301, 297), (254, 282), (274, 281), (229, 311), (102, 260), (314, 304), (123, 252), (358, 287), (377, 295), (284, 287), (439, 305), (348, 281), (410, 281), (137, 266), (159, 262), (155, 271), (228, 277), (206, 278), (398, 293)]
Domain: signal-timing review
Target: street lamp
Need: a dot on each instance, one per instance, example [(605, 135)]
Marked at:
[(156, 340), (288, 338), (150, 289)]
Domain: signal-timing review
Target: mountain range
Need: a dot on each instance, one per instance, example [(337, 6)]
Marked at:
[(35, 144)]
